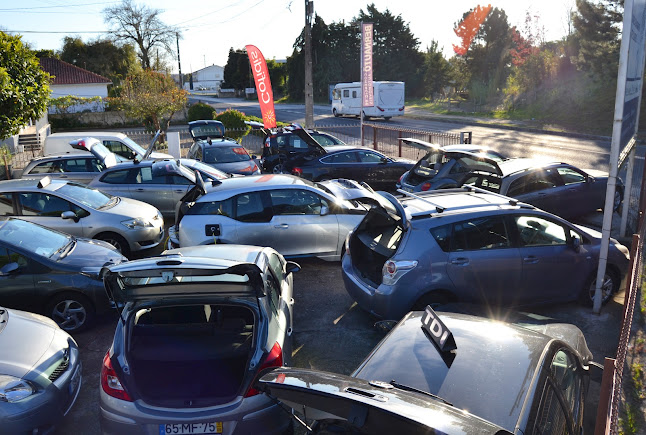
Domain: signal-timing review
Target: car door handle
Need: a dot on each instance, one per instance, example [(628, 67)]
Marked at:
[(140, 189), (461, 261), (281, 226), (179, 191), (63, 176), (531, 259)]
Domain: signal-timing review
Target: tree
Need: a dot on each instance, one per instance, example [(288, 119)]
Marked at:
[(236, 71), (597, 32), (150, 97), (141, 26), (436, 70), (24, 86), (102, 57)]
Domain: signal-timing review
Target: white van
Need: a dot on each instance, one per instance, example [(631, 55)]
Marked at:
[(118, 143), (389, 100)]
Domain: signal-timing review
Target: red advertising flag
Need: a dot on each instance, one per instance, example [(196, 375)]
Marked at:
[(263, 86), (366, 65)]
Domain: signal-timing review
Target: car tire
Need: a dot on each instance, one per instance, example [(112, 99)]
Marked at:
[(117, 241), (387, 118), (277, 168), (616, 205), (435, 299), (610, 286), (72, 311), (335, 113)]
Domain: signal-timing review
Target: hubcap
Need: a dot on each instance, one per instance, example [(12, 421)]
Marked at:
[(278, 169), (606, 288), (69, 314)]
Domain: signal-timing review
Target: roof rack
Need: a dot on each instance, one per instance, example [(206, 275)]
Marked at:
[(470, 188), (438, 208)]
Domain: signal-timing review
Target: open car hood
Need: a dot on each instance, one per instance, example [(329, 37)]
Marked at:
[(176, 276), (151, 147), (368, 407)]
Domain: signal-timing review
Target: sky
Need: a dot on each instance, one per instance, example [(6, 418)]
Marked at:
[(210, 28)]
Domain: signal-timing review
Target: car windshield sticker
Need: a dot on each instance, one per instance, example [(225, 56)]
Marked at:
[(437, 331)]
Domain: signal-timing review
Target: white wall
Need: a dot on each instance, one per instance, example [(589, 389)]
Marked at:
[(81, 90)]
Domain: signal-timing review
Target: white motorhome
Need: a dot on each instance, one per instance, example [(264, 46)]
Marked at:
[(389, 100)]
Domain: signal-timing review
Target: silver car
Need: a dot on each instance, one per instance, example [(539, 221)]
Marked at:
[(81, 167), (294, 216), (40, 373), (76, 209), (198, 326)]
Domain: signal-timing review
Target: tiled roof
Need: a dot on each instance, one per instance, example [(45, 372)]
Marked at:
[(67, 74)]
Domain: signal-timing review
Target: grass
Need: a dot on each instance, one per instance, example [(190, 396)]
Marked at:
[(628, 423)]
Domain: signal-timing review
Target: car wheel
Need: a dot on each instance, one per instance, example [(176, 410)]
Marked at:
[(73, 312), (335, 113), (277, 169), (387, 118), (608, 288), (434, 298), (616, 204), (117, 241)]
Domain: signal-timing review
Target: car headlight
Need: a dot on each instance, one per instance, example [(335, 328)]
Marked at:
[(136, 223), (13, 389)]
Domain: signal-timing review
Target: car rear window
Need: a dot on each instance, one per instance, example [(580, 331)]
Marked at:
[(219, 154), (442, 236)]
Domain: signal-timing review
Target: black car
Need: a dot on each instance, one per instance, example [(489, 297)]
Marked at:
[(288, 142), (355, 163), (452, 374), (53, 273)]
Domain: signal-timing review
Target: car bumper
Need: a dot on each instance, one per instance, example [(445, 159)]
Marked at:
[(145, 238), (257, 414), (42, 411)]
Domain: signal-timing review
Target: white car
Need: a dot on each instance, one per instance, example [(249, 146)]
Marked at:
[(294, 216)]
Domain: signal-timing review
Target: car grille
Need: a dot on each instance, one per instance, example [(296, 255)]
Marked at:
[(62, 366)]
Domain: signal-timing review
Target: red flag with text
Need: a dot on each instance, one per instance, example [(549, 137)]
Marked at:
[(263, 86)]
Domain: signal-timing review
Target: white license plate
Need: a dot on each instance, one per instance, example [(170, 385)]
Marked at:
[(190, 428), (407, 189)]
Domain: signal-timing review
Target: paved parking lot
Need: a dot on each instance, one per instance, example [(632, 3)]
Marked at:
[(333, 334)]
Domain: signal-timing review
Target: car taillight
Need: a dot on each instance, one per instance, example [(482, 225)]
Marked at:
[(426, 186), (110, 381), (274, 359), (401, 178), (401, 109), (392, 271), (380, 108), (297, 171), (255, 168)]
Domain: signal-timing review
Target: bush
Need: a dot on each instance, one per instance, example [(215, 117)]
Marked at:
[(200, 111), (233, 121)]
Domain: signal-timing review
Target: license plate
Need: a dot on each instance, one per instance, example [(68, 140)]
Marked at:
[(407, 189), (190, 428), (76, 380)]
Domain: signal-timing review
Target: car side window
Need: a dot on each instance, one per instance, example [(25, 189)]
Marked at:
[(96, 166), (481, 233), (116, 177), (46, 168), (75, 165), (8, 256), (570, 176), (41, 204), (442, 236), (222, 208), (145, 176), (118, 148), (277, 266), (345, 157), (468, 164), (6, 204), (551, 417), (250, 208), (179, 180), (568, 378), (346, 93), (297, 142), (323, 140), (536, 231), (273, 291), (534, 181), (295, 202), (369, 157)]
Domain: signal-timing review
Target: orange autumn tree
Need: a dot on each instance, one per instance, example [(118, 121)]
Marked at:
[(469, 27)]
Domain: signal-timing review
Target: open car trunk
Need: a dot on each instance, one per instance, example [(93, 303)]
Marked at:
[(191, 355)]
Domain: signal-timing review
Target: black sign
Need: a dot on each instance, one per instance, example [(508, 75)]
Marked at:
[(212, 230), (437, 331)]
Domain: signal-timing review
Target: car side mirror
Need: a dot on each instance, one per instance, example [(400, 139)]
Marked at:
[(591, 179), (70, 215), (254, 157), (9, 268), (384, 160), (292, 267), (325, 210), (576, 244)]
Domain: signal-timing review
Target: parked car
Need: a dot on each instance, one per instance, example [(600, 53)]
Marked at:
[(115, 142), (459, 245), (199, 324), (206, 171), (40, 373), (294, 216), (288, 142), (77, 209), (223, 154), (53, 273), (81, 167), (356, 163), (446, 166), (451, 374)]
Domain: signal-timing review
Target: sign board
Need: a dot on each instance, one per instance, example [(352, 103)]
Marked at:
[(367, 92)]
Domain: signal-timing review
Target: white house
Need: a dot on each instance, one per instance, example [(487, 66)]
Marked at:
[(209, 78), (72, 80)]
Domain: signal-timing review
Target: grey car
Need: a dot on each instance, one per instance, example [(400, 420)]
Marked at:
[(451, 374), (81, 167), (198, 326), (224, 154), (76, 209), (40, 373), (53, 273), (461, 245), (294, 216)]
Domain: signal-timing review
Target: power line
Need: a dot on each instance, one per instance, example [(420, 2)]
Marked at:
[(51, 7)]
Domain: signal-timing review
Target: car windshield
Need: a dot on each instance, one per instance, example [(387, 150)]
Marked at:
[(210, 130), (326, 140), (134, 146), (89, 197), (34, 238), (225, 154)]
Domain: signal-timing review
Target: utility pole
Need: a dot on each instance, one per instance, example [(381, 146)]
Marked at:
[(179, 63), (309, 87)]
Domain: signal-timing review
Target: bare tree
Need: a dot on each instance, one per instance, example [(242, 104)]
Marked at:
[(139, 24)]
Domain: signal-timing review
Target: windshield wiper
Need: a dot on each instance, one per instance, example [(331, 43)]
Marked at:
[(65, 249), (112, 202), (416, 390)]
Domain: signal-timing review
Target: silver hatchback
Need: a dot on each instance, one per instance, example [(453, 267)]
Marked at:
[(198, 326)]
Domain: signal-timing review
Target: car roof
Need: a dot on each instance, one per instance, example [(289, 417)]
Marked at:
[(233, 253), (30, 183), (81, 134), (513, 166), (338, 148), (218, 142), (67, 155), (489, 355), (256, 182)]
